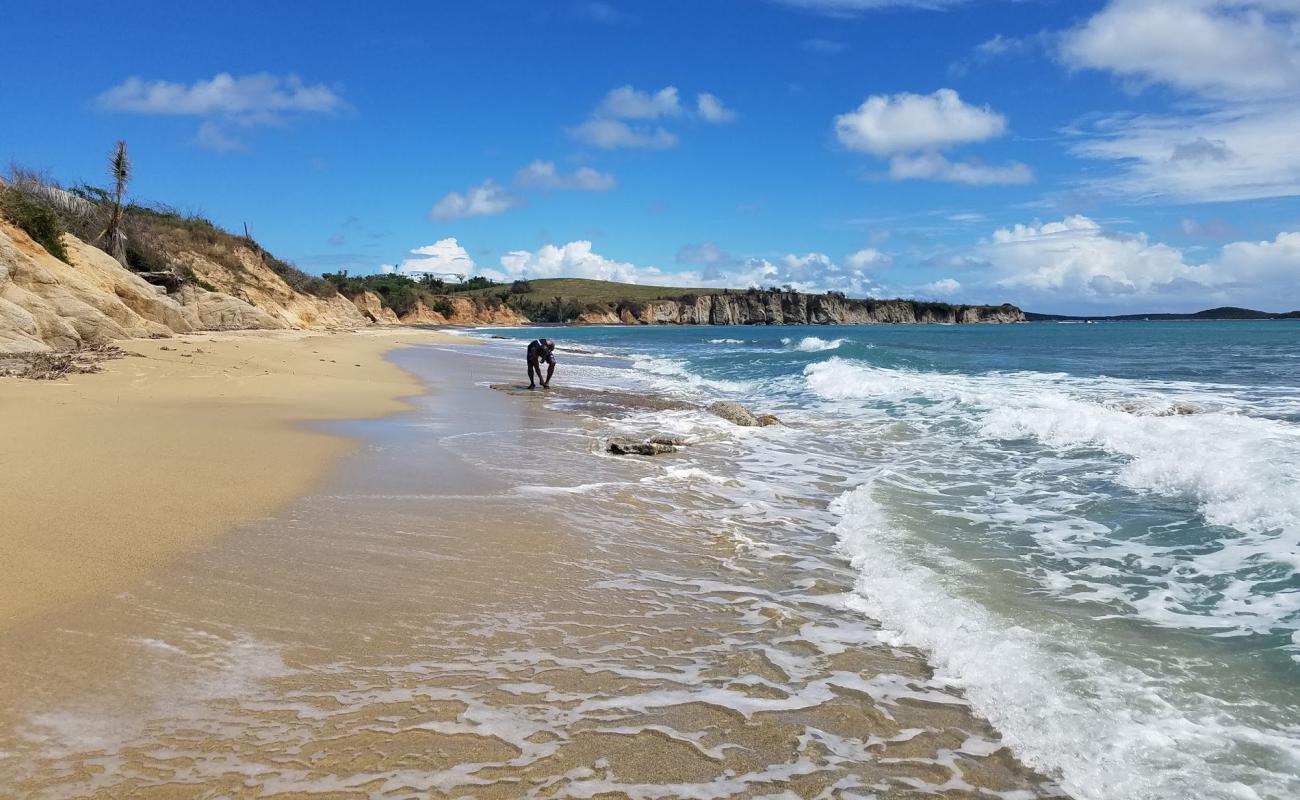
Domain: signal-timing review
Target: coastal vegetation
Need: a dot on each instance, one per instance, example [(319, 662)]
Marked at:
[(145, 238), (93, 264)]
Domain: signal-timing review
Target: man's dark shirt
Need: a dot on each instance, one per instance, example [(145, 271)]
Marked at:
[(538, 351)]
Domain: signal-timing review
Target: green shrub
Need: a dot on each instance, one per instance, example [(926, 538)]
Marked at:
[(400, 297), (476, 282), (299, 280), (145, 259), (443, 306), (36, 219)]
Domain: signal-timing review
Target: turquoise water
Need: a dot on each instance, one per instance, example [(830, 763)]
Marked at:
[(1093, 529)]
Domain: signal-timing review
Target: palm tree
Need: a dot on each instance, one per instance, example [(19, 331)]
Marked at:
[(114, 236)]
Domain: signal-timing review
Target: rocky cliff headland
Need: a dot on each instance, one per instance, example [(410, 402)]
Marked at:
[(61, 290), (774, 307)]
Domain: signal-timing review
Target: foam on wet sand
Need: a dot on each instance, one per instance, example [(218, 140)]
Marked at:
[(424, 624)]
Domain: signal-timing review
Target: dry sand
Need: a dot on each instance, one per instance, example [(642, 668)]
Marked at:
[(105, 476)]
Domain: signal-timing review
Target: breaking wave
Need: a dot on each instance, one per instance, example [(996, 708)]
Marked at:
[(813, 344)]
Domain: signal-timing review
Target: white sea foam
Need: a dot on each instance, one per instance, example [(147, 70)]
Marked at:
[(582, 488), (1236, 470), (693, 474), (726, 341), (1241, 471), (1107, 729), (812, 344), (674, 373)]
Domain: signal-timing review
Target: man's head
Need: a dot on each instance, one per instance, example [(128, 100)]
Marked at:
[(550, 343)]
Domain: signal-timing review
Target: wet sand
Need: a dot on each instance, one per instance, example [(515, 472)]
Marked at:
[(453, 614), (105, 476)]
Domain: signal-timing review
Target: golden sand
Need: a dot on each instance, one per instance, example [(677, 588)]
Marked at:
[(426, 623), (105, 476)]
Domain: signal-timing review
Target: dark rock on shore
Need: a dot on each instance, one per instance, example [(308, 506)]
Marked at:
[(631, 447)]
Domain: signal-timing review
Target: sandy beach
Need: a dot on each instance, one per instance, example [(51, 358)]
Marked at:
[(108, 475), (479, 602)]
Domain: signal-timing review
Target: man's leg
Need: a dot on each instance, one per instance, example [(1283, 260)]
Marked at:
[(550, 370), (533, 366)]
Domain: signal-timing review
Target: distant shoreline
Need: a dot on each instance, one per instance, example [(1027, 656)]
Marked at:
[(1222, 314)]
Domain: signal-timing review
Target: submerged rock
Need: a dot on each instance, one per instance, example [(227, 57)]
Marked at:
[(768, 419), (631, 447), (668, 439), (734, 412)]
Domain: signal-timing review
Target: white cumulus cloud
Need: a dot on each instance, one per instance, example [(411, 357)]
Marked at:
[(1237, 152), (911, 130), (1238, 60), (610, 134), (1268, 263), (1078, 255), (887, 125), (711, 109), (867, 258), (224, 101), (944, 287), (1078, 261), (628, 117), (443, 258), (544, 175), (573, 260), (223, 94), (625, 102), (1222, 47), (486, 199), (935, 167)]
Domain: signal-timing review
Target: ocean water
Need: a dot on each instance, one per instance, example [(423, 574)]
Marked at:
[(1092, 531)]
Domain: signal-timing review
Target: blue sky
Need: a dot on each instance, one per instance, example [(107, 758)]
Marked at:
[(1067, 156)]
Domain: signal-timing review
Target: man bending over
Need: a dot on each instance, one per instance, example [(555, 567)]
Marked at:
[(540, 350)]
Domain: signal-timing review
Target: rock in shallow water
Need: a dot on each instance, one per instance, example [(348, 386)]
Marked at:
[(631, 447), (734, 412), (668, 439)]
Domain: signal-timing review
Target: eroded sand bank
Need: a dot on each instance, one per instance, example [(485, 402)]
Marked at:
[(105, 476)]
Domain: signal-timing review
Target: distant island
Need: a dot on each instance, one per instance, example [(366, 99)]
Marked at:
[(1221, 313)]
